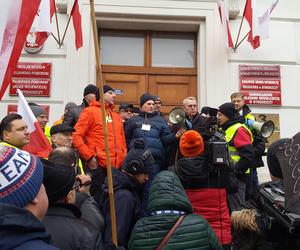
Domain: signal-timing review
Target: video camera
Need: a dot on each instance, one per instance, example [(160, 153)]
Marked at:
[(216, 145)]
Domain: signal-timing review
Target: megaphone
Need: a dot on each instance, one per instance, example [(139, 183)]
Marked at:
[(177, 116), (265, 128)]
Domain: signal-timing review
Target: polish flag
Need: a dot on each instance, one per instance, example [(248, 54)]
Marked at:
[(76, 17), (38, 144), (16, 18), (259, 24), (42, 23), (223, 11)]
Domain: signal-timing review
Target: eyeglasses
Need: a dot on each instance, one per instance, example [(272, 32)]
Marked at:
[(157, 102)]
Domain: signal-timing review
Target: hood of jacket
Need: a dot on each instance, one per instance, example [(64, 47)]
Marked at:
[(18, 226), (193, 168), (167, 193), (121, 180), (97, 104)]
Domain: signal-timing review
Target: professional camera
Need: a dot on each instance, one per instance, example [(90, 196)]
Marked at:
[(216, 145)]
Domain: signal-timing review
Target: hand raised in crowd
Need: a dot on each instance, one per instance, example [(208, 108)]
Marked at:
[(92, 163), (180, 132), (85, 183)]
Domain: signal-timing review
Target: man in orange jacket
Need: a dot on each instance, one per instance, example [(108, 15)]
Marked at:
[(89, 139)]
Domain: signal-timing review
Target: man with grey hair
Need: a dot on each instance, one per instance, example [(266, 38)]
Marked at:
[(193, 120)]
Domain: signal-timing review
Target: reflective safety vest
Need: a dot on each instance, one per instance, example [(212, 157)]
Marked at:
[(229, 134), (3, 143), (47, 132)]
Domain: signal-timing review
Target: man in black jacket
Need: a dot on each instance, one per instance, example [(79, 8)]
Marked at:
[(64, 219), (90, 92)]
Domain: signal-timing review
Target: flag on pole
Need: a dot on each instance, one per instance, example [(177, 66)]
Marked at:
[(76, 16), (38, 143), (16, 19), (259, 24), (43, 27), (223, 11)]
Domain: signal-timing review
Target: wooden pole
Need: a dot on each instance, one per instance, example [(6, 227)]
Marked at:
[(100, 85)]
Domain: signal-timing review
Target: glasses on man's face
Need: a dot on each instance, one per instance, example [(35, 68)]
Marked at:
[(157, 102)]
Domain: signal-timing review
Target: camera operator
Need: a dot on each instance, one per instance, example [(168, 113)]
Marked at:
[(206, 185), (240, 147)]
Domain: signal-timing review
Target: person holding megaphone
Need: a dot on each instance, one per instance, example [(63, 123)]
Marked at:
[(259, 143), (240, 148)]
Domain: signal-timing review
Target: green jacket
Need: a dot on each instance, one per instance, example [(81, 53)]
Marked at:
[(166, 201)]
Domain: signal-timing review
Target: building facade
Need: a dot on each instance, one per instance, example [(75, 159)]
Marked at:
[(170, 48)]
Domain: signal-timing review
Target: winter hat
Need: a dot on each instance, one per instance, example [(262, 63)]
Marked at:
[(90, 89), (37, 110), (138, 160), (69, 106), (146, 97), (191, 144), (58, 180), (228, 110), (61, 128), (107, 88), (21, 176)]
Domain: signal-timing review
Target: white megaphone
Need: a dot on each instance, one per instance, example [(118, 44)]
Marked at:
[(265, 128), (177, 116)]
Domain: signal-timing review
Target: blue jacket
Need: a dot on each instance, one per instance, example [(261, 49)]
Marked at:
[(156, 139), (20, 229)]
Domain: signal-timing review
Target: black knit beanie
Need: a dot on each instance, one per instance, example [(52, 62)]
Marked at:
[(107, 88), (228, 110), (90, 89), (137, 161), (146, 97)]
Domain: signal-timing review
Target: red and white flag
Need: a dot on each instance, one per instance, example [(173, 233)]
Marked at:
[(76, 16), (38, 144), (16, 18), (223, 11), (259, 24), (42, 22)]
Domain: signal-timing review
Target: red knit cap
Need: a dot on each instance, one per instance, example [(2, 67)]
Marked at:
[(191, 144)]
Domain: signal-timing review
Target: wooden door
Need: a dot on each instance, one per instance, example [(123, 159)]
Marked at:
[(172, 89)]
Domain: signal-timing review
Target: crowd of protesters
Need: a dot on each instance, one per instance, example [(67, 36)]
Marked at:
[(169, 193)]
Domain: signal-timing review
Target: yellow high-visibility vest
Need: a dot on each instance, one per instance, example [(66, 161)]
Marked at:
[(229, 134)]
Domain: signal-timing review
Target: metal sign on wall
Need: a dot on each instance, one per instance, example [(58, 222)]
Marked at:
[(260, 84), (33, 79)]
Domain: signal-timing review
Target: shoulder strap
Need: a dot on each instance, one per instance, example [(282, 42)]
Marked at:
[(165, 240)]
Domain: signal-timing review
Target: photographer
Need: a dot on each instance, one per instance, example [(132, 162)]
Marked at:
[(206, 185)]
